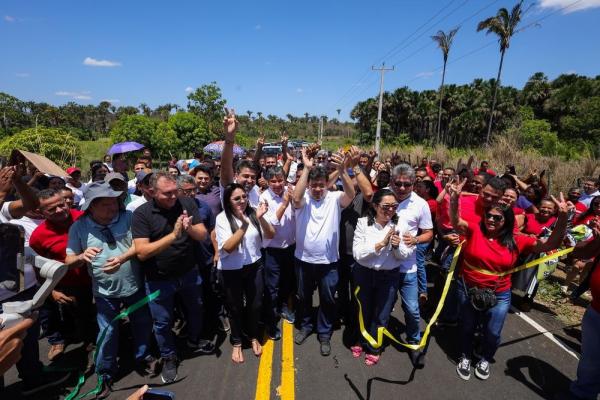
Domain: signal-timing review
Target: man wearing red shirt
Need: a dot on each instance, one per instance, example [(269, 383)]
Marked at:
[(72, 297), (484, 168)]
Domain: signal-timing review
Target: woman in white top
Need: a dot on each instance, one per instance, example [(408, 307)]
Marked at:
[(239, 231), (378, 250)]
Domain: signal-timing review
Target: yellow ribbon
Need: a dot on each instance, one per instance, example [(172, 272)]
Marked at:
[(381, 331)]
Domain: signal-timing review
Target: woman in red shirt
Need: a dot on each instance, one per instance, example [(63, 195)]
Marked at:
[(491, 248)]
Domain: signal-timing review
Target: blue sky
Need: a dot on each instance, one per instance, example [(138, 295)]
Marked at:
[(276, 57)]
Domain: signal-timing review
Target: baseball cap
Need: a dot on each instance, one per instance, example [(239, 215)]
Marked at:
[(71, 170), (114, 175)]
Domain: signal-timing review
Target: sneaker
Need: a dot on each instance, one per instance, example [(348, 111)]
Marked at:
[(224, 325), (288, 316), (301, 336), (56, 350), (202, 346), (169, 369), (325, 348), (274, 333), (106, 388), (482, 369), (463, 368), (44, 381), (147, 366)]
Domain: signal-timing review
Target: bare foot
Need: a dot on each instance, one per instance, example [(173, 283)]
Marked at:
[(256, 347), (236, 354)]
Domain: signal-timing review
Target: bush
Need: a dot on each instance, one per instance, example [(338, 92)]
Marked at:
[(56, 144)]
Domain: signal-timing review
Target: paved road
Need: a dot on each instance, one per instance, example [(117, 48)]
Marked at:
[(528, 365)]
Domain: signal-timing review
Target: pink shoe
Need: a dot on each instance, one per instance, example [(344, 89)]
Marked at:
[(371, 359), (356, 351)]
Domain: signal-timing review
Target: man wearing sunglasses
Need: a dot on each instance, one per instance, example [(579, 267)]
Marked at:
[(414, 222), (101, 240)]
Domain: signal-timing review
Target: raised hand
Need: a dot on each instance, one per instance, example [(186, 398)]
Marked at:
[(562, 206), (456, 186), (230, 124), (306, 160), (284, 139), (186, 220), (354, 153), (338, 161), (262, 209), (7, 175), (260, 142)]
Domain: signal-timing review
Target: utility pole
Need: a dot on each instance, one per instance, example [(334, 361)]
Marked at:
[(320, 136), (379, 110)]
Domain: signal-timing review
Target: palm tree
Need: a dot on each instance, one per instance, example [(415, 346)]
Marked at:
[(444, 42), (504, 25)]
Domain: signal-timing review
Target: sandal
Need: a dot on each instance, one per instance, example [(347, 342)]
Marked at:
[(371, 359), (236, 355), (256, 348), (356, 351)]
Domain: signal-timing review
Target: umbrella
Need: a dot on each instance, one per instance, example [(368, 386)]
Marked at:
[(217, 147), (124, 147)]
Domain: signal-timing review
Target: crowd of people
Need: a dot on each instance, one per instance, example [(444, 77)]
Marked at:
[(241, 243)]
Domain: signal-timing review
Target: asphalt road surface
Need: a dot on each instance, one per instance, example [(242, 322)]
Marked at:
[(528, 365)]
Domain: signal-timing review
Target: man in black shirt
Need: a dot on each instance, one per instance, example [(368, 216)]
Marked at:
[(163, 231)]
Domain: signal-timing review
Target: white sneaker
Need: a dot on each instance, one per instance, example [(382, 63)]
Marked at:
[(463, 368)]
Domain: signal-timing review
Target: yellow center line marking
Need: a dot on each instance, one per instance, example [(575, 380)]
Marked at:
[(265, 370), (287, 388)]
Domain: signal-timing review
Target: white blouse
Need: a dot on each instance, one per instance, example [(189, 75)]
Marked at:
[(247, 252), (363, 248)]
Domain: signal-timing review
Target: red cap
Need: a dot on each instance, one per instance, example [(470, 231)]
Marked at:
[(70, 170)]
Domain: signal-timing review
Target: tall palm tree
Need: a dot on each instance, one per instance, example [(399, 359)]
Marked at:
[(444, 42), (504, 25)]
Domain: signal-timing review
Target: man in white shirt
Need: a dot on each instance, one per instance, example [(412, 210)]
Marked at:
[(279, 251), (246, 171), (590, 190), (318, 214), (414, 221)]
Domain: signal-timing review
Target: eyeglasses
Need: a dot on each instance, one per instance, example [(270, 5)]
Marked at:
[(238, 199), (403, 184), (108, 236), (494, 217), (388, 207)]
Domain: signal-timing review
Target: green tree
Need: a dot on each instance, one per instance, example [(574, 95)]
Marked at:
[(444, 42), (137, 128), (56, 144), (207, 102), (504, 25), (191, 131), (164, 142)]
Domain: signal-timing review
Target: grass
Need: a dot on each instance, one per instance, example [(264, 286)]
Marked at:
[(92, 150)]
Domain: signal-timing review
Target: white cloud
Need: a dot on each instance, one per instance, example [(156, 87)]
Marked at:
[(22, 74), (424, 74), (570, 72), (92, 62), (189, 89), (576, 5), (299, 90), (85, 95), (9, 18), (112, 101), (258, 27)]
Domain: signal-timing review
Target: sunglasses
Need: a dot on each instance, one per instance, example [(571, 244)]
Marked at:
[(403, 184), (388, 207), (108, 236), (237, 199), (494, 217)]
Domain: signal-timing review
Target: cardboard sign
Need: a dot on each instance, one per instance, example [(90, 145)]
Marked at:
[(40, 162)]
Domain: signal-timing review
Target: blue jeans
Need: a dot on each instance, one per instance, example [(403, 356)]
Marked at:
[(377, 296), (141, 329), (492, 321), (189, 288), (409, 293), (323, 277), (587, 384), (279, 281), (422, 249)]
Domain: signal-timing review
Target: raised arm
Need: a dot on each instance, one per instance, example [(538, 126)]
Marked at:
[(230, 126), (349, 193), (9, 177), (361, 176), (303, 181), (455, 189), (260, 142)]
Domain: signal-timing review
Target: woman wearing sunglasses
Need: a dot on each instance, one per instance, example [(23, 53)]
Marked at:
[(239, 232), (491, 248), (378, 250)]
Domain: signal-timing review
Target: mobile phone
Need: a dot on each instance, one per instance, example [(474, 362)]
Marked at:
[(156, 394)]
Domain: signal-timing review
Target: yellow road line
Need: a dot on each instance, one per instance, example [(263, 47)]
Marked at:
[(287, 388), (265, 370)]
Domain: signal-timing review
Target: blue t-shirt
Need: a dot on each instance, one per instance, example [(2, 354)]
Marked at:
[(86, 233)]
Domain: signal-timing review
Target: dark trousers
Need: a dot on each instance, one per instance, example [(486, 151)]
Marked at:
[(323, 277), (72, 322), (29, 366), (238, 284), (345, 289), (280, 281), (213, 298), (377, 295)]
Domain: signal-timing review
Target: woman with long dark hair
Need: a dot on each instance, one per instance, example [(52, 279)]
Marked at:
[(239, 232), (378, 250), (491, 249)]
